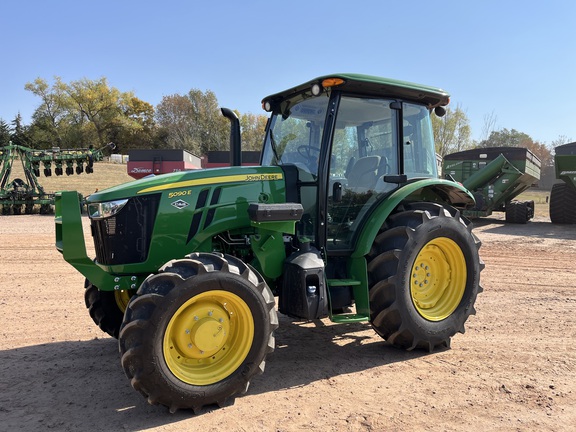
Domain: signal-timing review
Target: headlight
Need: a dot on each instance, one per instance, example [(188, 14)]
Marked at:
[(105, 209)]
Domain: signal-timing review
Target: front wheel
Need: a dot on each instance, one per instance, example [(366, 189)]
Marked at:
[(198, 331), (424, 276)]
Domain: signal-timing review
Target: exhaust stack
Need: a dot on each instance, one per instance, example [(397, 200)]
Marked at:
[(235, 141)]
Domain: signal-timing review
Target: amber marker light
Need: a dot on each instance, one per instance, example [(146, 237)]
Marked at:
[(332, 82)]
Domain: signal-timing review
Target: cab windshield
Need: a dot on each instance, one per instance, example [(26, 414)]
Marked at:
[(295, 133)]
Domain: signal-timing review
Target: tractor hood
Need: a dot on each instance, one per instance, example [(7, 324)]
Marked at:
[(179, 183)]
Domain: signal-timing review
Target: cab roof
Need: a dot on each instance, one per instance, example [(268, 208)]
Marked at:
[(369, 85)]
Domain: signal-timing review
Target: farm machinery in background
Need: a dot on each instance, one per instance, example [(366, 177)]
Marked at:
[(26, 193), (563, 194), (496, 176)]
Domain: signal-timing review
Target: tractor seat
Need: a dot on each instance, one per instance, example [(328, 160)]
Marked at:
[(364, 173)]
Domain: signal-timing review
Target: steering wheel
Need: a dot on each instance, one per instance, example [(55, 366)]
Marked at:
[(309, 152)]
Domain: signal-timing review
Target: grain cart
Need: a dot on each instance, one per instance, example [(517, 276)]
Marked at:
[(563, 195), (496, 176), (344, 218), (28, 192)]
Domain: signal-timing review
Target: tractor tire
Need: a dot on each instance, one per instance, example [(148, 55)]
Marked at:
[(562, 204), (517, 212), (106, 308), (197, 332), (424, 276)]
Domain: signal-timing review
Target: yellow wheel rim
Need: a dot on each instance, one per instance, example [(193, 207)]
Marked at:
[(438, 279), (208, 337), (122, 298)]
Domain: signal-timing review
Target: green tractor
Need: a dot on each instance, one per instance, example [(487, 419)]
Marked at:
[(563, 194), (345, 218)]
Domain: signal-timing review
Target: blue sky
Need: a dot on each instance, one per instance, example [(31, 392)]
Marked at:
[(514, 61)]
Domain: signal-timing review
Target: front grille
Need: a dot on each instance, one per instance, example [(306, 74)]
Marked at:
[(125, 237)]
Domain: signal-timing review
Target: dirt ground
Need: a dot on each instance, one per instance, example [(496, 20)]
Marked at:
[(513, 369)]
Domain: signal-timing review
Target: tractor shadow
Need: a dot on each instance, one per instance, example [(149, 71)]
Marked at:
[(309, 351), (69, 385)]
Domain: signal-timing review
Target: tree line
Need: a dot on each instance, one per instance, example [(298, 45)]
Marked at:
[(91, 112)]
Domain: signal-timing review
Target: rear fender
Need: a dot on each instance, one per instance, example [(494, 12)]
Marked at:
[(431, 190)]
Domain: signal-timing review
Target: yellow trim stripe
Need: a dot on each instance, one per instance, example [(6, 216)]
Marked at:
[(215, 180)]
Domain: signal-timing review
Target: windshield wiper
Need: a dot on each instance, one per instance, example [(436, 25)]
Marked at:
[(273, 145)]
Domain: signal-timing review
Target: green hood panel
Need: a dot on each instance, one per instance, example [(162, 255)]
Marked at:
[(187, 179), (192, 208)]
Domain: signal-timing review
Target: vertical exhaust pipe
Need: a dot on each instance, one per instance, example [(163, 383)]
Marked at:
[(235, 142)]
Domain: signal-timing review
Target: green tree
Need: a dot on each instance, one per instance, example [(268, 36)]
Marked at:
[(193, 122), (174, 115), (451, 132), (20, 132), (51, 120), (253, 127), (136, 128), (210, 128), (505, 138), (98, 103), (89, 112), (5, 133)]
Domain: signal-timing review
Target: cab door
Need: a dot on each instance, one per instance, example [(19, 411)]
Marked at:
[(363, 157)]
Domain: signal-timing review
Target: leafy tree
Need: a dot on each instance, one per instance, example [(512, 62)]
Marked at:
[(193, 122), (96, 102), (174, 115), (136, 128), (51, 120), (505, 138), (451, 132), (89, 112), (211, 129), (253, 127)]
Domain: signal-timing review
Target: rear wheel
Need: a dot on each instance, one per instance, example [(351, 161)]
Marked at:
[(424, 276), (198, 331), (562, 204), (106, 308)]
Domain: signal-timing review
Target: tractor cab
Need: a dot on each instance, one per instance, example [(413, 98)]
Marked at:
[(345, 144)]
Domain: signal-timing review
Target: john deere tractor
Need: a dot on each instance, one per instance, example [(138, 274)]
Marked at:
[(345, 218)]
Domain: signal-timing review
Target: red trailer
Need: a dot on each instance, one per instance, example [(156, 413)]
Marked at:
[(142, 163)]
